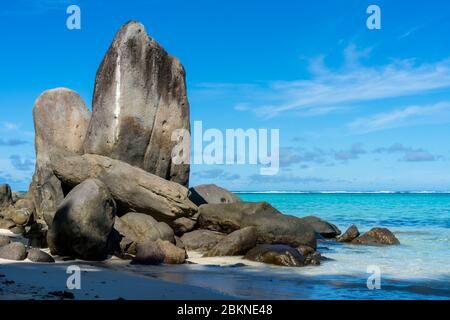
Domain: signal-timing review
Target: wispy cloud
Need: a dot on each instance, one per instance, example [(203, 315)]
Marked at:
[(293, 179), (330, 90), (350, 154), (411, 115), (12, 142), (410, 154), (212, 174), (21, 163)]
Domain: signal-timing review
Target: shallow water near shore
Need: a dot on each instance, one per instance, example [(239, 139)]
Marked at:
[(417, 269)]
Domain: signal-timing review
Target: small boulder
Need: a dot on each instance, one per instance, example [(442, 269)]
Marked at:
[(4, 240), (202, 240), (134, 228), (377, 236), (21, 217), (182, 225), (277, 254), (36, 255), (210, 193), (236, 243), (349, 235), (6, 224), (172, 254), (149, 253), (5, 196), (14, 251), (83, 222), (322, 227)]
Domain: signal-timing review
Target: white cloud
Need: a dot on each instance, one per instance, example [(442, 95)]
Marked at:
[(407, 116)]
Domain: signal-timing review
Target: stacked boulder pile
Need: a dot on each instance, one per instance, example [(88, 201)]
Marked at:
[(105, 184)]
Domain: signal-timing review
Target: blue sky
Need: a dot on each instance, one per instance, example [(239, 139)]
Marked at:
[(357, 109)]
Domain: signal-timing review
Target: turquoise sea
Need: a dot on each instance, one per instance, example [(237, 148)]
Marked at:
[(419, 268)]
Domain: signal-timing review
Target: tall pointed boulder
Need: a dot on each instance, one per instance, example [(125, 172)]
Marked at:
[(139, 101)]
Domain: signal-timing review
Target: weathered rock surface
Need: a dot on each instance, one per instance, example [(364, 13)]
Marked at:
[(4, 240), (83, 222), (36, 255), (6, 223), (271, 225), (349, 235), (182, 225), (21, 216), (149, 253), (377, 236), (236, 243), (37, 235), (13, 251), (5, 196), (281, 255), (210, 193), (132, 188), (172, 254), (322, 227), (139, 100), (61, 119), (202, 240), (137, 228)]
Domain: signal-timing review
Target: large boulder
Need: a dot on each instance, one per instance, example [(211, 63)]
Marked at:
[(182, 225), (324, 228), (377, 236), (210, 193), (139, 101), (61, 119), (14, 251), (272, 226), (350, 234), (83, 222), (281, 255), (235, 244), (4, 240), (172, 253), (201, 240), (134, 189), (5, 196), (135, 228)]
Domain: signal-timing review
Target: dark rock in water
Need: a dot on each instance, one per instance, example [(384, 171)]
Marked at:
[(5, 196), (278, 254), (61, 119), (172, 254), (139, 100), (149, 253), (236, 243), (4, 240), (6, 223), (210, 193), (202, 240), (183, 225), (14, 251), (377, 236), (83, 223), (132, 188), (17, 230), (135, 228), (324, 228), (36, 255), (272, 226), (349, 235), (62, 294)]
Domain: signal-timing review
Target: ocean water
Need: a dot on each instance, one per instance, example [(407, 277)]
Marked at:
[(419, 268)]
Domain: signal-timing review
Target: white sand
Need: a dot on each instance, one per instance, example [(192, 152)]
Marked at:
[(36, 280)]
